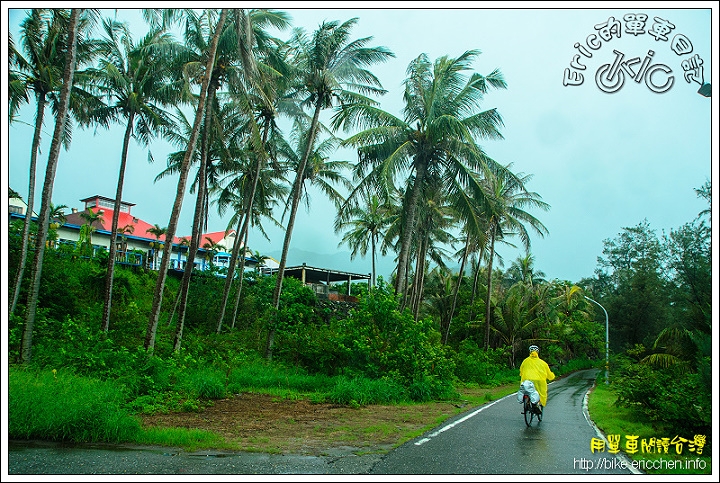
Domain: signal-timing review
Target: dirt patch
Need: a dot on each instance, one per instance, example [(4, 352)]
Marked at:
[(260, 422)]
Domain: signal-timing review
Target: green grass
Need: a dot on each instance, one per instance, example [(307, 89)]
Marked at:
[(60, 406), (189, 439)]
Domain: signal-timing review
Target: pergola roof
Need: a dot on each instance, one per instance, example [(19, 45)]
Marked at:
[(319, 275)]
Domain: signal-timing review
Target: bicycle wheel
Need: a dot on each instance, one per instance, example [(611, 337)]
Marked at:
[(527, 410)]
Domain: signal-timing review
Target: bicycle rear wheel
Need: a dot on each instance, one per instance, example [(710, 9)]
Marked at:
[(527, 410)]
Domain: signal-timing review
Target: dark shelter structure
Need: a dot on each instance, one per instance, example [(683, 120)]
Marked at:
[(320, 280)]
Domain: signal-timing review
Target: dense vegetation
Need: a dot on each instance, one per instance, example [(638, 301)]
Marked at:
[(372, 352)]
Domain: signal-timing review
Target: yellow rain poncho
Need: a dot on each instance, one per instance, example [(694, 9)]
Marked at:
[(536, 370)]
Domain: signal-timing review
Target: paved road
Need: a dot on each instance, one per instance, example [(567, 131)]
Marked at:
[(491, 439), (39, 458), (494, 439)]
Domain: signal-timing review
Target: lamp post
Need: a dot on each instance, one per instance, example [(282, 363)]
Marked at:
[(607, 338)]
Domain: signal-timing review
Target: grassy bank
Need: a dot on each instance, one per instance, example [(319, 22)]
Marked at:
[(60, 406)]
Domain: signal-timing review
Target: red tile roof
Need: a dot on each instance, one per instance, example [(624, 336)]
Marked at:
[(140, 227)]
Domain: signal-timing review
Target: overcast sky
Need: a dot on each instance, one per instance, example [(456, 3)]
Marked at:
[(602, 160)]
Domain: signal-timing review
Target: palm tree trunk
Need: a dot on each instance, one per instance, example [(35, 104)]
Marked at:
[(197, 219), (114, 227), (419, 281), (230, 274), (180, 193), (175, 307), (400, 281), (30, 201), (44, 216), (296, 194), (489, 287), (242, 234), (457, 286), (231, 271), (189, 265), (240, 281), (373, 242)]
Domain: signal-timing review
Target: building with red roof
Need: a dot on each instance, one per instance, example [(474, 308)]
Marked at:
[(141, 239)]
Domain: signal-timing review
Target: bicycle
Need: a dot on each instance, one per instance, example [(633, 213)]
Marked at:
[(531, 410)]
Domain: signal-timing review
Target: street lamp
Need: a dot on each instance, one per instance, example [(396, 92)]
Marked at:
[(607, 338)]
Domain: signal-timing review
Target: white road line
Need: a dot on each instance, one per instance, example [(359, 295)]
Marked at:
[(455, 423), (621, 456)]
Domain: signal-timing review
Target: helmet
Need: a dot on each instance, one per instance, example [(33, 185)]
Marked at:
[(534, 348)]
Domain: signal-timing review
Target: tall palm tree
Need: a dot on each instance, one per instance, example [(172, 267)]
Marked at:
[(234, 66), (318, 171), (522, 269), (438, 135), (240, 187), (473, 240), (182, 182), (331, 68), (364, 228), (44, 41), (506, 217), (135, 79), (44, 216)]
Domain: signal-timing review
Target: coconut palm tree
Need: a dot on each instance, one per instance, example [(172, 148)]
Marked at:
[(364, 227), (57, 218), (84, 243), (38, 69), (331, 69), (123, 232), (182, 182), (514, 318), (44, 216), (135, 78), (319, 172), (234, 67), (522, 269), (240, 187), (157, 232), (437, 136), (506, 217), (259, 260)]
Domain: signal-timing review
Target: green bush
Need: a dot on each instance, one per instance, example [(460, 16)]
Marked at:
[(671, 397), (378, 340), (476, 365)]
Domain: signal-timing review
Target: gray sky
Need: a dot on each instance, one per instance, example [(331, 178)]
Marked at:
[(603, 161)]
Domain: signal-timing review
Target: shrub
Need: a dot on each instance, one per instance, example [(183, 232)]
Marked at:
[(476, 365), (378, 340), (670, 397)]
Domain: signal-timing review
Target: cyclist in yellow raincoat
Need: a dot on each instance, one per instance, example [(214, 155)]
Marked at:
[(536, 370)]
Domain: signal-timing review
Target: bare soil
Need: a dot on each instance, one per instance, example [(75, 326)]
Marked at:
[(265, 423)]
